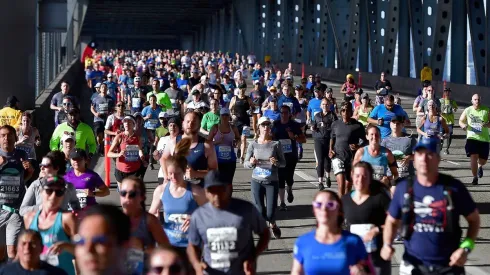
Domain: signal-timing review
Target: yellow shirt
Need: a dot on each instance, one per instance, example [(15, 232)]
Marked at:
[(88, 62), (10, 116), (426, 74)]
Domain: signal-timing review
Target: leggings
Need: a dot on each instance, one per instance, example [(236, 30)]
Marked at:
[(322, 148), (269, 191), (227, 170), (286, 174)]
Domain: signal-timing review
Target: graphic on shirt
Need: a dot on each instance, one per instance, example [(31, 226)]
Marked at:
[(222, 245), (135, 259), (132, 153), (82, 197), (379, 171), (173, 226), (263, 169), (224, 152), (475, 123), (430, 215), (402, 169), (286, 145), (24, 147), (50, 258)]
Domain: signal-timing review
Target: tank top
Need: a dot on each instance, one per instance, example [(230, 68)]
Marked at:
[(476, 119), (28, 145), (241, 108), (224, 150), (363, 116), (143, 233), (196, 159), (177, 210), (117, 125), (130, 162), (379, 162), (51, 236), (432, 128), (135, 257), (301, 116)]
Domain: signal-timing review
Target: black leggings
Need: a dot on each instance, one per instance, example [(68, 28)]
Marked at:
[(227, 170), (286, 174), (322, 148)]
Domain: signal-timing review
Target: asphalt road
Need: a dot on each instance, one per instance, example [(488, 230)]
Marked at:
[(299, 218)]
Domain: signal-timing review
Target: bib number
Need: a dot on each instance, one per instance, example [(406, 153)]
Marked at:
[(136, 102), (132, 153), (476, 127), (338, 166), (135, 261), (361, 230), (82, 197), (50, 259), (222, 245), (262, 170), (378, 172), (103, 108), (286, 146), (224, 152), (10, 188), (246, 131), (152, 124)]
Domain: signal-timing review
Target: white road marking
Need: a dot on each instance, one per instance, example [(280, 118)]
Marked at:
[(452, 162), (474, 270), (303, 175)]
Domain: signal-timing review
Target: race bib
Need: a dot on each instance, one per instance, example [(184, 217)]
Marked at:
[(173, 227), (82, 197), (24, 147), (361, 230), (476, 127), (103, 108), (262, 170), (246, 131), (132, 153), (135, 260), (10, 187), (257, 110), (50, 258), (286, 146), (378, 172), (402, 170), (222, 245), (289, 104), (224, 152), (152, 124), (175, 104), (136, 102)]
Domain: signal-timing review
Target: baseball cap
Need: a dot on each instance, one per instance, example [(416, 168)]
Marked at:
[(289, 77), (163, 114), (397, 119), (175, 120), (329, 90), (256, 82), (67, 136), (263, 119), (129, 118), (137, 79), (12, 100), (298, 87), (98, 85), (224, 111), (359, 91), (109, 75), (430, 144), (53, 181), (204, 77), (74, 110), (215, 178), (195, 92), (78, 154)]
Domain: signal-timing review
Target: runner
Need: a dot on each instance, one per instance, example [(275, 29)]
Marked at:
[(272, 113), (321, 128), (349, 88), (127, 149), (314, 106), (475, 121), (174, 131), (68, 144), (289, 133), (382, 88), (15, 171), (432, 242), (151, 116), (114, 123), (329, 242), (170, 260), (432, 124), (162, 98), (210, 118), (380, 158), (146, 230), (365, 213), (381, 115), (287, 98), (265, 157), (10, 113), (28, 138), (258, 97), (241, 107), (178, 197), (101, 107), (357, 101), (62, 114), (225, 137), (58, 101), (221, 232), (88, 184), (331, 98), (55, 226), (448, 108), (362, 112), (136, 96)]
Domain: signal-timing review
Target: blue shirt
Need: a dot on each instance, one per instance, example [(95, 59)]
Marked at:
[(292, 102), (112, 87), (314, 107), (272, 115), (429, 242), (153, 122), (329, 259), (280, 132), (380, 111), (95, 77)]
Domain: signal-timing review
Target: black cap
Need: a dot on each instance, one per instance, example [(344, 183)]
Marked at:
[(12, 100), (242, 86), (215, 178), (397, 119), (74, 110), (174, 120), (298, 87), (52, 181), (329, 90), (195, 92), (78, 154)]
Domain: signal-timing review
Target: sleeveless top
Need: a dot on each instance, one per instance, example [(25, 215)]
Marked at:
[(51, 236), (197, 158), (301, 116), (225, 151), (28, 145), (177, 210), (432, 128), (379, 162), (241, 108), (135, 257), (130, 162), (363, 116)]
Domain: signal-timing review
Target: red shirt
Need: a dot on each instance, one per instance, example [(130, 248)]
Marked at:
[(130, 161)]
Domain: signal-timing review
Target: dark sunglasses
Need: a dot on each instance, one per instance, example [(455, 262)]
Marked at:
[(66, 103), (330, 205), (100, 239), (69, 133), (173, 268), (119, 105), (131, 194), (45, 165), (343, 110), (57, 192)]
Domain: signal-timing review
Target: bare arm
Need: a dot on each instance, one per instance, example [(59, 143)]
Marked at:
[(156, 231), (358, 156), (194, 254), (199, 195), (473, 220), (463, 121), (156, 202), (297, 268), (392, 163), (103, 191), (114, 145), (419, 129)]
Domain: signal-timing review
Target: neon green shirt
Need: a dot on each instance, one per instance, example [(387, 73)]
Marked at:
[(161, 131), (476, 121), (162, 99), (84, 137), (209, 120), (447, 107)]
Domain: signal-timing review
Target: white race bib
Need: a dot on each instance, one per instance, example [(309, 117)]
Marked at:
[(263, 169), (224, 152), (82, 197), (379, 172), (10, 187), (152, 124), (132, 153), (50, 259), (222, 245), (135, 260), (136, 102), (103, 108), (361, 230), (286, 146)]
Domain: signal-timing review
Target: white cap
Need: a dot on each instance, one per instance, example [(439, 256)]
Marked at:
[(204, 77), (202, 104), (109, 75), (256, 82), (137, 79), (224, 111), (263, 119), (129, 118), (98, 85), (163, 114), (66, 137)]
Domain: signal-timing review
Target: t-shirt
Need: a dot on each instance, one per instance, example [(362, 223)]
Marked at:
[(314, 107), (175, 96), (95, 77), (447, 109), (57, 101), (88, 180), (226, 235), (344, 134), (329, 259), (209, 120), (161, 131), (401, 147), (104, 105), (291, 102), (476, 121), (429, 242), (44, 269), (280, 132), (10, 116), (380, 111), (153, 122), (424, 106), (272, 115)]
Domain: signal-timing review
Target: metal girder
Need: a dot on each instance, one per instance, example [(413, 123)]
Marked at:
[(428, 12), (363, 38), (390, 33), (476, 16), (374, 45), (261, 32), (314, 28), (283, 31), (404, 40), (417, 24), (222, 30), (245, 37), (298, 31), (232, 32), (440, 34), (269, 28), (458, 42)]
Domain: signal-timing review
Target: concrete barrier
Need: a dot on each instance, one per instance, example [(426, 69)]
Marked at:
[(404, 85)]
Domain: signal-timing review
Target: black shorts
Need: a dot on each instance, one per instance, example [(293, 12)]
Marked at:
[(476, 147), (122, 175), (99, 127)]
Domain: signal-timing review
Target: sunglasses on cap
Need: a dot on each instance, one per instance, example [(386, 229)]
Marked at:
[(330, 205), (173, 268), (57, 192), (130, 194)]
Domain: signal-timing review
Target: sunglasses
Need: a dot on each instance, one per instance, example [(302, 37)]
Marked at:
[(173, 268), (119, 105), (265, 125), (343, 110), (130, 194), (100, 239), (66, 103), (284, 112), (45, 165), (57, 192), (330, 205)]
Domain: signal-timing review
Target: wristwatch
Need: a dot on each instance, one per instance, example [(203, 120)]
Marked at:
[(467, 250)]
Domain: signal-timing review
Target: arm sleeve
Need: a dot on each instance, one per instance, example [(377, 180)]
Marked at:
[(54, 100), (98, 180), (250, 150)]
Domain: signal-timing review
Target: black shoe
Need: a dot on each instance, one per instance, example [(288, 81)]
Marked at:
[(283, 207), (475, 181), (276, 231), (152, 167), (320, 186), (480, 171), (329, 183), (290, 194), (446, 152)]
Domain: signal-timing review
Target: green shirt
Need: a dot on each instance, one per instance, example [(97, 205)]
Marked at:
[(84, 137), (162, 99), (476, 121), (161, 131), (447, 110), (209, 120)]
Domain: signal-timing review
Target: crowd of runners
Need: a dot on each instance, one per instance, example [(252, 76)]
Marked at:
[(196, 116)]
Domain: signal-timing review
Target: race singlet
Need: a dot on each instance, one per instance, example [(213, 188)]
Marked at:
[(224, 152), (82, 197), (263, 169), (361, 230), (286, 146), (132, 153), (173, 228), (222, 245), (135, 261)]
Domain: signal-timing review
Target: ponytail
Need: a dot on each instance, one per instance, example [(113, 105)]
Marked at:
[(178, 159)]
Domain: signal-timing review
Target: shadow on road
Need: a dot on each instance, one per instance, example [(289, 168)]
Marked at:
[(483, 207), (296, 212)]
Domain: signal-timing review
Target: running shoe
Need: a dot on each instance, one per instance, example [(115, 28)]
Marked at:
[(480, 171), (290, 194), (276, 231), (283, 207), (446, 151), (320, 186), (475, 181), (329, 183)]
